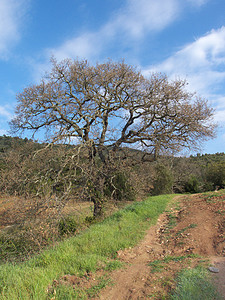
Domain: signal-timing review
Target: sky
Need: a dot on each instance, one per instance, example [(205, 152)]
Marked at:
[(181, 38)]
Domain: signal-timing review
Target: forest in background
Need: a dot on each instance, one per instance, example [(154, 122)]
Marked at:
[(167, 174)]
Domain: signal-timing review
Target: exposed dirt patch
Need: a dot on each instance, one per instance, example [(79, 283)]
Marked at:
[(184, 236)]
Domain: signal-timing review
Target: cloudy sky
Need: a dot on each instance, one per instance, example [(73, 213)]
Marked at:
[(183, 38)]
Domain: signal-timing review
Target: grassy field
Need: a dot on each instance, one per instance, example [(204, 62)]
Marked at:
[(94, 249)]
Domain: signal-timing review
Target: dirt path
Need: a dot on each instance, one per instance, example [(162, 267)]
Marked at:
[(183, 234), (130, 282)]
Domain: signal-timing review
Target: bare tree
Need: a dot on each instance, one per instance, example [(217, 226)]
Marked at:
[(108, 107)]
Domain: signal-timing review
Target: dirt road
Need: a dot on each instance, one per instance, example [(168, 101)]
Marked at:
[(190, 232)]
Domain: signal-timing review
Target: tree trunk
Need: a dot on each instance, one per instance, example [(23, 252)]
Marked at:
[(98, 207)]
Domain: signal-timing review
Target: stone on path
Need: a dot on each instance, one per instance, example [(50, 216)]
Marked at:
[(213, 270)]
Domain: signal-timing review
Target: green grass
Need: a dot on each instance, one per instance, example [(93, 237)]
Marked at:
[(159, 264), (195, 284), (94, 249)]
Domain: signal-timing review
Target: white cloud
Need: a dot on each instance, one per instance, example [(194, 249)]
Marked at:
[(201, 62), (5, 112), (219, 117), (142, 16), (11, 12), (128, 25), (83, 46), (135, 20)]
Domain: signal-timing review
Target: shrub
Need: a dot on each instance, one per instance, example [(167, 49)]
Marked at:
[(67, 225), (192, 185), (163, 182), (215, 175), (120, 188)]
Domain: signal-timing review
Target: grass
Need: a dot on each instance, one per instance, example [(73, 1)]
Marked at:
[(195, 284), (159, 264), (93, 291), (94, 249)]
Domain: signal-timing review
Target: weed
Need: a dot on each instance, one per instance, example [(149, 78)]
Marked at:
[(159, 264), (172, 220), (67, 225), (64, 292), (90, 220), (113, 265), (95, 289), (186, 228)]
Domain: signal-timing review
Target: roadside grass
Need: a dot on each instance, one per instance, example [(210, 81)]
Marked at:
[(96, 248), (158, 264), (195, 284)]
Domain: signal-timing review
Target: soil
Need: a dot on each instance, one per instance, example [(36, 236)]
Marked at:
[(185, 236)]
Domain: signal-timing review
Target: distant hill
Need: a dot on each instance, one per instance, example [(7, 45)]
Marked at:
[(208, 158), (6, 142)]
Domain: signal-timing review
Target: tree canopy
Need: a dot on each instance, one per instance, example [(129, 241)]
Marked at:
[(113, 104)]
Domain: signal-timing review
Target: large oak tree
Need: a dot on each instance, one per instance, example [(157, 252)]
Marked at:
[(110, 106)]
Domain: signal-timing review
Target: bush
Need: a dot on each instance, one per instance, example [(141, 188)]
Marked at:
[(120, 188), (215, 175), (192, 185), (17, 245), (163, 182), (67, 225)]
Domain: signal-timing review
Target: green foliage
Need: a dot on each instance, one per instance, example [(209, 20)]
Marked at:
[(195, 284), (192, 185), (67, 225), (163, 182), (120, 188), (7, 142), (208, 158), (215, 175)]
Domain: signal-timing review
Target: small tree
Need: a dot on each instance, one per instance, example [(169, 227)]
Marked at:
[(215, 176), (163, 181), (192, 185), (106, 107)]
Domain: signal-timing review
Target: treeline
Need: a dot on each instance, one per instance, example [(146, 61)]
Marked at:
[(26, 170), (193, 174)]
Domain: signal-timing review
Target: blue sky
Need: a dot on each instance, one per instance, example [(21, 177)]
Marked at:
[(183, 38)]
